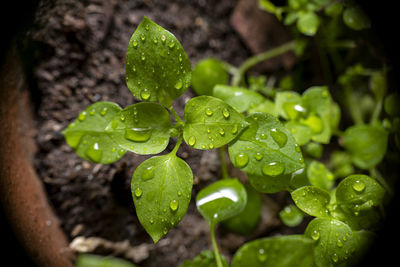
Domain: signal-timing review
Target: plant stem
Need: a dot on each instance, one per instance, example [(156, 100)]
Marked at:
[(352, 104), (176, 116), (215, 246), (377, 112), (377, 175), (250, 62), (177, 145), (224, 167)]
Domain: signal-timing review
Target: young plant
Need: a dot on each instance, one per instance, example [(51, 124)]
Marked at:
[(264, 130)]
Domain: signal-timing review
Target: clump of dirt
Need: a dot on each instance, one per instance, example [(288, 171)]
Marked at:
[(79, 54)]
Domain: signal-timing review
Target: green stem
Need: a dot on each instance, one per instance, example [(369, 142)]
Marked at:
[(177, 145), (354, 108), (176, 116), (224, 167), (229, 68), (215, 246), (377, 112), (250, 62)]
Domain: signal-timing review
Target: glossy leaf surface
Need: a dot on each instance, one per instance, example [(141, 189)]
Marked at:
[(266, 148), (161, 189), (211, 123), (87, 135), (206, 74), (291, 216), (319, 175), (142, 128), (312, 200), (239, 98), (366, 144), (282, 251), (334, 241), (157, 67), (221, 200), (246, 221)]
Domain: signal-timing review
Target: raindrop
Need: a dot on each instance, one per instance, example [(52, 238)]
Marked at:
[(235, 129), (335, 257), (143, 57), (272, 168), (258, 156), (178, 85), (82, 116), (138, 134), (315, 235), (211, 145), (174, 204), (122, 117), (142, 37), (135, 44), (262, 256), (148, 173), (192, 140), (339, 243), (94, 152), (279, 137), (209, 112), (358, 186), (138, 192), (226, 113), (92, 111), (103, 111), (171, 44), (145, 94), (221, 132), (163, 38), (241, 160)]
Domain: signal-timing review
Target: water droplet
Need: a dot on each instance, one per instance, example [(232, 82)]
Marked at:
[(221, 132), (155, 40), (335, 257), (138, 134), (358, 186), (147, 27), (262, 256), (178, 85), (339, 243), (315, 235), (82, 116), (180, 58), (272, 168), (143, 57), (138, 192), (179, 193), (122, 117), (235, 129), (103, 111), (171, 44), (258, 156), (192, 140), (134, 44), (92, 111), (142, 37), (209, 112), (94, 152), (174, 204), (121, 152), (134, 68), (241, 160), (226, 113), (145, 94), (263, 136), (148, 173), (163, 38), (211, 145), (151, 221), (279, 137)]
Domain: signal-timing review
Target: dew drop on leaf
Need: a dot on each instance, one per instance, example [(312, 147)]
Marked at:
[(148, 173), (315, 235), (339, 243), (241, 160), (358, 186), (135, 44), (122, 117), (221, 132), (211, 145), (226, 113), (209, 112), (335, 257), (94, 152), (235, 129), (262, 256), (279, 137), (138, 192), (82, 116), (103, 111), (178, 85), (163, 38), (272, 168), (192, 140), (258, 156), (174, 204), (145, 94), (137, 134), (92, 111)]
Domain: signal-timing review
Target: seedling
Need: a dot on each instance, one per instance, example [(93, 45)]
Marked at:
[(264, 131)]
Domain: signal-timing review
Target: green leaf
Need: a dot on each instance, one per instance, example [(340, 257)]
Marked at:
[(90, 260), (206, 74), (157, 67), (161, 189), (308, 23), (267, 106), (291, 216), (366, 144), (87, 136), (270, 184), (391, 104), (266, 148), (206, 258), (211, 123), (142, 128), (313, 149), (378, 85), (320, 176), (221, 200), (359, 192), (355, 18), (246, 221), (282, 251), (239, 98), (288, 105), (312, 200), (334, 241), (301, 133)]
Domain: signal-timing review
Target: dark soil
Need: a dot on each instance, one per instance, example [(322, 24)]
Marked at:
[(78, 50)]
